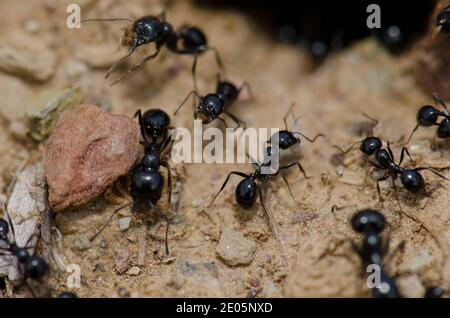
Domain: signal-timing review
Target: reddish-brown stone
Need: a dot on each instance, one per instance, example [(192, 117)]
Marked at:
[(88, 150)]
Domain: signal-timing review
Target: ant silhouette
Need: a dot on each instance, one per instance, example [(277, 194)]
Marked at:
[(211, 106), (442, 23), (428, 116), (186, 40), (147, 182), (31, 266)]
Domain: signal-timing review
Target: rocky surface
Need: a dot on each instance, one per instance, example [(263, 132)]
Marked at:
[(88, 150)]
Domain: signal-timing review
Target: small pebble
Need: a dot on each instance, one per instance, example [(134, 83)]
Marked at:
[(134, 271), (124, 224), (235, 249)]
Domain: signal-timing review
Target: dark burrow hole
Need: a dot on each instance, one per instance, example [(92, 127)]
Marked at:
[(322, 27)]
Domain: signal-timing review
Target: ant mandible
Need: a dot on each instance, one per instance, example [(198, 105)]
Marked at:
[(371, 223), (428, 116), (187, 40), (442, 23), (211, 106), (31, 266), (147, 182)]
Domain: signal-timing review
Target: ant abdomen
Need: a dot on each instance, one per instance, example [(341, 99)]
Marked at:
[(246, 193), (412, 180)]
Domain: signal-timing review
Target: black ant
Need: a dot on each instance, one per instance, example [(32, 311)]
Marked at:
[(286, 138), (31, 266), (154, 29), (371, 223), (442, 23), (211, 106), (428, 116), (411, 179), (67, 295), (147, 182), (248, 190)]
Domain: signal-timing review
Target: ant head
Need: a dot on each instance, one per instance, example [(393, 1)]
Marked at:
[(444, 129), (443, 21), (193, 38), (370, 145), (209, 108), (427, 115), (36, 267), (156, 122), (151, 160), (368, 221), (146, 30), (412, 180), (4, 229), (286, 139)]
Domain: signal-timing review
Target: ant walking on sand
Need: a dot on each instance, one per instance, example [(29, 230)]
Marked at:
[(211, 106), (187, 40), (428, 116), (411, 179), (146, 181), (31, 266), (371, 223)]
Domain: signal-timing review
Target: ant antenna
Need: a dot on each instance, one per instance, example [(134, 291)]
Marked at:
[(108, 221)]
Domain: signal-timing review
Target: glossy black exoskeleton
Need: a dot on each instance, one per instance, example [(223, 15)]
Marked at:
[(32, 266), (188, 40), (371, 223), (211, 106), (429, 115), (442, 23)]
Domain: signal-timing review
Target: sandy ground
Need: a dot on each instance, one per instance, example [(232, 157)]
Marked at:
[(362, 78)]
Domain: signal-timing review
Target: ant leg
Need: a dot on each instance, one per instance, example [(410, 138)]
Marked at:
[(247, 86), (412, 133), (108, 221), (11, 225), (239, 122), (390, 150), (134, 68), (375, 164), (402, 154), (138, 114), (241, 174), (287, 114), (378, 186), (166, 243), (223, 121), (375, 123), (169, 179), (270, 219), (185, 100), (309, 139), (344, 152), (433, 171), (194, 72), (294, 163), (119, 62), (396, 193), (289, 188), (439, 100)]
